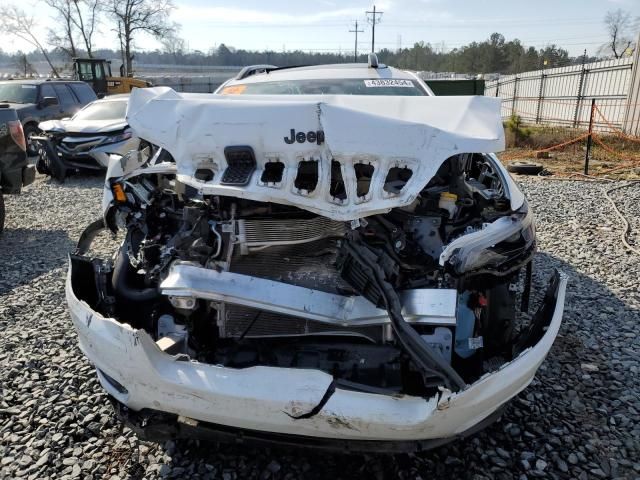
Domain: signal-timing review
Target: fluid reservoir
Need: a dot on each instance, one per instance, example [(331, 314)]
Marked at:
[(464, 327), (448, 202)]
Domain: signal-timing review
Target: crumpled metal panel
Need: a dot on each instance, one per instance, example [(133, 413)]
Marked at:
[(418, 133)]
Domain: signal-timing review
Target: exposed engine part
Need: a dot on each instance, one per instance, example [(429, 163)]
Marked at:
[(172, 337), (257, 234), (186, 283), (255, 323), (440, 341), (465, 342), (426, 232), (419, 292), (310, 265), (374, 275)]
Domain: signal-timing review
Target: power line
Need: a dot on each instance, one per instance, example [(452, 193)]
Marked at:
[(459, 43), (355, 51), (467, 24), (373, 21)]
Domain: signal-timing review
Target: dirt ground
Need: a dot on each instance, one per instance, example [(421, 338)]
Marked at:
[(618, 159)]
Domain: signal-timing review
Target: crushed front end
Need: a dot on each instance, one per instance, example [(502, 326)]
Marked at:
[(61, 152), (232, 310)]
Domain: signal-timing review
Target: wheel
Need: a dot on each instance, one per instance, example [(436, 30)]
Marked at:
[(31, 130), (1, 213), (42, 162), (524, 168)]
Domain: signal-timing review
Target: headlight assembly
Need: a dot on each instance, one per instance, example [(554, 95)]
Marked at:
[(118, 138), (494, 246)]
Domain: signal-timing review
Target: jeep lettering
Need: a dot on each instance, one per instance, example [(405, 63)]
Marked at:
[(301, 137)]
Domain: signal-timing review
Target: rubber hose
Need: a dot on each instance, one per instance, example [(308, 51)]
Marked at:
[(122, 271)]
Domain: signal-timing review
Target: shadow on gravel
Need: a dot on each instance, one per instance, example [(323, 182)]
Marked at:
[(576, 420), (79, 180), (27, 253)]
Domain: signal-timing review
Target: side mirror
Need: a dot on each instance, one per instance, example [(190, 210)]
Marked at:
[(101, 95), (48, 101)]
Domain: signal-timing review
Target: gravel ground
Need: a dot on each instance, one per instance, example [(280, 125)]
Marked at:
[(579, 419)]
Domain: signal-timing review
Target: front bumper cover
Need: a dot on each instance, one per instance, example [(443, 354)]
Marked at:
[(58, 161), (160, 426), (271, 403)]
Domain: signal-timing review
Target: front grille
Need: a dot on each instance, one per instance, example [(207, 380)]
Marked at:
[(79, 145)]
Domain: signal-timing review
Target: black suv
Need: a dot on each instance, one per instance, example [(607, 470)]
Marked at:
[(39, 100), (14, 171)]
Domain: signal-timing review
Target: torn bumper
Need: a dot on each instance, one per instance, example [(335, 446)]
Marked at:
[(102, 154), (60, 158), (264, 400), (160, 426)]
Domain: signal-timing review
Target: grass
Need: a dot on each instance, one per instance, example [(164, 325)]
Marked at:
[(621, 158)]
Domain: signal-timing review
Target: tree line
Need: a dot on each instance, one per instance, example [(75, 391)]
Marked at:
[(75, 22), (78, 20), (494, 55)]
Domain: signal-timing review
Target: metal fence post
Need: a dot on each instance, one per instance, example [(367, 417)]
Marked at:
[(515, 96), (540, 97), (589, 140), (631, 119), (580, 86), (497, 88)]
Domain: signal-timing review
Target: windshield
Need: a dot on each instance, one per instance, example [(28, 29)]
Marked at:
[(111, 110), (337, 86), (18, 93)]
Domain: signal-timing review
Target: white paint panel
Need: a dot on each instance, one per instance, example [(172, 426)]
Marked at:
[(418, 133)]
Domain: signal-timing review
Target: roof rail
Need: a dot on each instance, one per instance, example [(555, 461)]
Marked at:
[(373, 60), (253, 69)]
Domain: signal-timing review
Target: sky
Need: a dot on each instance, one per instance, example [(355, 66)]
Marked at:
[(323, 25)]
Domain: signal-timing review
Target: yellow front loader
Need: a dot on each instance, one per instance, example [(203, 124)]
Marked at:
[(97, 73)]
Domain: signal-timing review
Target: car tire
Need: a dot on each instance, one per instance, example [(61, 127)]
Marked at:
[(29, 130), (2, 213), (524, 168), (42, 164)]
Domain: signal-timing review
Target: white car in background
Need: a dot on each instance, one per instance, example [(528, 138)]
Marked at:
[(87, 140)]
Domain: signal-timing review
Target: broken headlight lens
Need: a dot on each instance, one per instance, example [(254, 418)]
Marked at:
[(118, 138), (493, 247)]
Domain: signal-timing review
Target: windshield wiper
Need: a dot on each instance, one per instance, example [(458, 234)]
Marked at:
[(10, 101)]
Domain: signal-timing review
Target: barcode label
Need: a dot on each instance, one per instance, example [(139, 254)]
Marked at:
[(388, 82)]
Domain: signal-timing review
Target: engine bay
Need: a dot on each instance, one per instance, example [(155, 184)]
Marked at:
[(422, 297)]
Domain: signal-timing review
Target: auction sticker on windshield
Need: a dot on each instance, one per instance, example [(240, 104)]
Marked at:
[(388, 82)]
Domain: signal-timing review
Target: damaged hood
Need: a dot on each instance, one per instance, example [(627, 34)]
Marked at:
[(416, 133), (83, 126)]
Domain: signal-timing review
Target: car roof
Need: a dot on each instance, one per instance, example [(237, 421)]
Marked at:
[(39, 81), (114, 98), (319, 72)]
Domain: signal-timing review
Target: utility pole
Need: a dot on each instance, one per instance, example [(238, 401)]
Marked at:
[(355, 51), (373, 20)]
